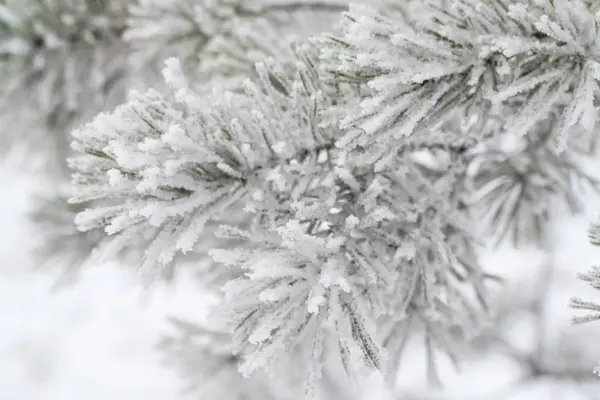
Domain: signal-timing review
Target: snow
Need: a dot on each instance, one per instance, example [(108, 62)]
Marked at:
[(92, 342)]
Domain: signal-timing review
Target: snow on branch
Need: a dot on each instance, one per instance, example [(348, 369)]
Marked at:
[(332, 244), (592, 278), (382, 250), (165, 168), (293, 278), (467, 58)]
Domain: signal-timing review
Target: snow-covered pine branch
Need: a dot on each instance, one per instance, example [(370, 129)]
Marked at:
[(175, 166), (356, 169), (363, 265), (461, 61), (592, 278), (163, 169)]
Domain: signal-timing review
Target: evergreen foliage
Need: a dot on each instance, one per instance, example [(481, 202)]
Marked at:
[(340, 162)]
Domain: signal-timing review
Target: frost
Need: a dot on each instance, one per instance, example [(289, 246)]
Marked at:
[(352, 175), (428, 72)]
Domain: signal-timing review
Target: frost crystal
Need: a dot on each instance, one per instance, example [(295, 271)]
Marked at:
[(345, 180)]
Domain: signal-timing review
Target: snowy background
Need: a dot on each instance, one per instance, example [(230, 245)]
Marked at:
[(95, 340), (90, 341)]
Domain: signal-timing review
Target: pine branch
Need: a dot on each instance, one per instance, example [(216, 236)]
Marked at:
[(343, 199), (231, 172), (205, 156), (468, 58), (592, 278), (162, 170)]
